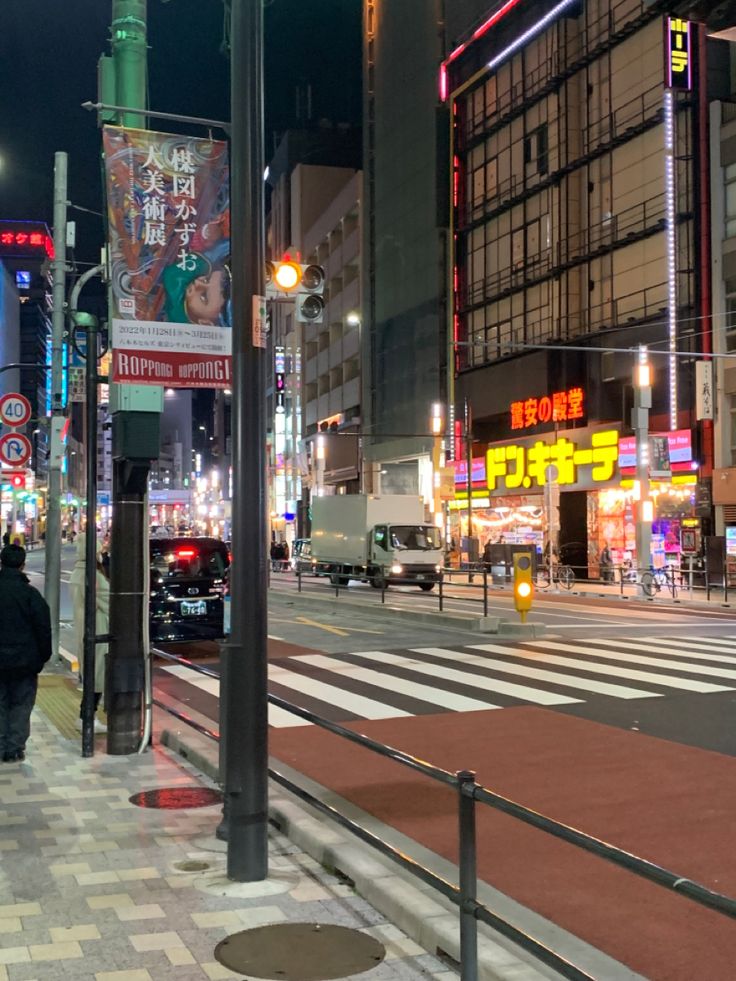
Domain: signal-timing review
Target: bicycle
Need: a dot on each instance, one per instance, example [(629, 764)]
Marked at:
[(564, 575), (654, 581)]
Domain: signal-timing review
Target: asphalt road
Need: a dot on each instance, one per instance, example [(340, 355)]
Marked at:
[(34, 569)]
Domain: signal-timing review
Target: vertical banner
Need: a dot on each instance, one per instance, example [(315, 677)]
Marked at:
[(169, 234), (703, 390)]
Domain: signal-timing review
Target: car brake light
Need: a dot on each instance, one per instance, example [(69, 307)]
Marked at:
[(186, 553)]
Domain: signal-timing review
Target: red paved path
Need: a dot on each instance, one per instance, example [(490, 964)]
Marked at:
[(666, 802)]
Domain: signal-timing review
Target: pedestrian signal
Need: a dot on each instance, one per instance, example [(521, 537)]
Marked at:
[(523, 585)]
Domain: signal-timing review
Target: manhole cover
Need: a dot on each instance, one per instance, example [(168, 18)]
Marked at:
[(177, 798), (192, 866), (300, 952)]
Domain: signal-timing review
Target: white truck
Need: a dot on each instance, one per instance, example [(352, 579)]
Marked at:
[(380, 539)]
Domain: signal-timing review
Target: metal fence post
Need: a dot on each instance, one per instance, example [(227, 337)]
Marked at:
[(485, 591), (468, 878), (298, 577), (441, 595), (383, 583), (707, 579), (725, 582)]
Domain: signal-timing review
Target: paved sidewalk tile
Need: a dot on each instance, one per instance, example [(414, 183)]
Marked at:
[(95, 889)]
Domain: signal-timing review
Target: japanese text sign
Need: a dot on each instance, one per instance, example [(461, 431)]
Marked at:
[(169, 221), (558, 407), (25, 238), (514, 467), (677, 69)]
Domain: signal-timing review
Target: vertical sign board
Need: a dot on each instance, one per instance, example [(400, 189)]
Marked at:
[(703, 390), (169, 221), (678, 54)]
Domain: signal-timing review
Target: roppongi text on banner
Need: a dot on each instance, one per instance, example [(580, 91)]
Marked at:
[(169, 221)]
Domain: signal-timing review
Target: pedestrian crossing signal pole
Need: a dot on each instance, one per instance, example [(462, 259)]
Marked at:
[(523, 585)]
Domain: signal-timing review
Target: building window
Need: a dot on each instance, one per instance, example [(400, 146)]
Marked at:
[(536, 150)]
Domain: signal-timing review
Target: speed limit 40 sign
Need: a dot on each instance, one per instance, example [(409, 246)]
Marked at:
[(15, 409)]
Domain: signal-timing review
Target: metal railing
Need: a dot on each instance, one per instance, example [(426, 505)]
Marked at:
[(464, 894)]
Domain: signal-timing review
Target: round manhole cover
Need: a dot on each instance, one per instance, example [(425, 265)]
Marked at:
[(177, 798), (300, 952), (193, 865)]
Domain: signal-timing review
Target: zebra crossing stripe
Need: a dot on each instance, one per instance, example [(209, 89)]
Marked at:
[(566, 680), (388, 682), (691, 648), (368, 708), (707, 643), (483, 681), (585, 664), (277, 717), (659, 679), (679, 653)]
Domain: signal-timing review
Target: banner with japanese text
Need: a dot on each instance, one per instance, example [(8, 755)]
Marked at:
[(169, 236)]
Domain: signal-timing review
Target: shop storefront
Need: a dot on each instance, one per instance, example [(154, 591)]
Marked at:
[(579, 484)]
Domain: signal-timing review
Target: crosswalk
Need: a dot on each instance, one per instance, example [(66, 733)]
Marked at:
[(375, 684)]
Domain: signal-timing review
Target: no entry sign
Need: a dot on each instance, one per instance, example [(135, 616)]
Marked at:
[(15, 409), (15, 450)]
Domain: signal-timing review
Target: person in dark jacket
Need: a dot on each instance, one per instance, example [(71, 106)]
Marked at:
[(25, 646)]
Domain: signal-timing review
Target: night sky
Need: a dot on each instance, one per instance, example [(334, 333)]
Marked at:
[(48, 67)]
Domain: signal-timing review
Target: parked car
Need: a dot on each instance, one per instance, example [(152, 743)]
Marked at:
[(188, 583), (301, 557)]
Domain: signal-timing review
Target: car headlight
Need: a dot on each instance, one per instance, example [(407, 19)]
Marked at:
[(438, 568), (397, 569)]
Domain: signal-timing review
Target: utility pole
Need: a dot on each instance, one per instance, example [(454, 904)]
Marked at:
[(640, 425), (135, 433), (52, 556), (244, 699)]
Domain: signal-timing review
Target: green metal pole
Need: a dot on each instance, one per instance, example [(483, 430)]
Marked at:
[(132, 409), (130, 56)]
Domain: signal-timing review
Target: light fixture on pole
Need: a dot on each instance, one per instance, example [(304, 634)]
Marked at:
[(640, 425)]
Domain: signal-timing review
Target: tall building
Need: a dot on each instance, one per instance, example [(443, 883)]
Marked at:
[(314, 381), (580, 231), (9, 330), (404, 243)]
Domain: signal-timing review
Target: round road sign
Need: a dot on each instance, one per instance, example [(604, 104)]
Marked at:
[(15, 450), (15, 409)]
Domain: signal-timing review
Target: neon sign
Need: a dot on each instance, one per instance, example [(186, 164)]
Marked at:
[(25, 238), (678, 74), (524, 467), (558, 407)]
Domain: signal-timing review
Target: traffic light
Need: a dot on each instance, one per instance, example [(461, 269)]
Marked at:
[(523, 585), (305, 283)]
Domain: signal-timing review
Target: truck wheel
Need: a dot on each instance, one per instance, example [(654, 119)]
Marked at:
[(426, 586)]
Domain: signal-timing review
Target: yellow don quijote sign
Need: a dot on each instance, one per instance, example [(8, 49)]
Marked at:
[(520, 467)]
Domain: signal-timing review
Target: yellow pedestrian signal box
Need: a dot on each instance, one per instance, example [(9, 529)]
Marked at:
[(523, 585)]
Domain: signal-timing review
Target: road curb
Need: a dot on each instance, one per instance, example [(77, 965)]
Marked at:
[(419, 911), (452, 621)]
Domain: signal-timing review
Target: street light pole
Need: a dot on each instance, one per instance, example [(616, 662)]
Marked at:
[(245, 697), (640, 425), (52, 555)]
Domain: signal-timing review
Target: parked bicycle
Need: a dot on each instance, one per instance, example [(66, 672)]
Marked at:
[(564, 575), (654, 581)]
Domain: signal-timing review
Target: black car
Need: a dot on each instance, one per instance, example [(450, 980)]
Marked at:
[(187, 587)]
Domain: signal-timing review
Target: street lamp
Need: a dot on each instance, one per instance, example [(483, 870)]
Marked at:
[(353, 319), (640, 425)]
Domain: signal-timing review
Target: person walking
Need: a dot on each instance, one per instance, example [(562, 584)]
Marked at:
[(25, 646), (606, 564), (102, 619)]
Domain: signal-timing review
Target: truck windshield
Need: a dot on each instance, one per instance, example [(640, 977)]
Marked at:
[(421, 537)]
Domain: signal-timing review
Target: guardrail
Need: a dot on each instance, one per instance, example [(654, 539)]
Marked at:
[(464, 894)]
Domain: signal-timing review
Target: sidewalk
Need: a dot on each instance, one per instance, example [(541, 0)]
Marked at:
[(94, 887)]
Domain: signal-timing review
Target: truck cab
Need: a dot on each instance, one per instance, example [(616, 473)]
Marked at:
[(405, 554)]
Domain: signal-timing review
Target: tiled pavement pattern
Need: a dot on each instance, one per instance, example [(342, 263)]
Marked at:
[(89, 885)]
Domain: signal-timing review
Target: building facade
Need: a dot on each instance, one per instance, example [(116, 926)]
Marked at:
[(580, 230)]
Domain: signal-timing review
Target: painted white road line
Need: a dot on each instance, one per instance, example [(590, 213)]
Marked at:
[(567, 680), (482, 681), (368, 708), (652, 662), (448, 700), (688, 655), (277, 717), (667, 681)]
